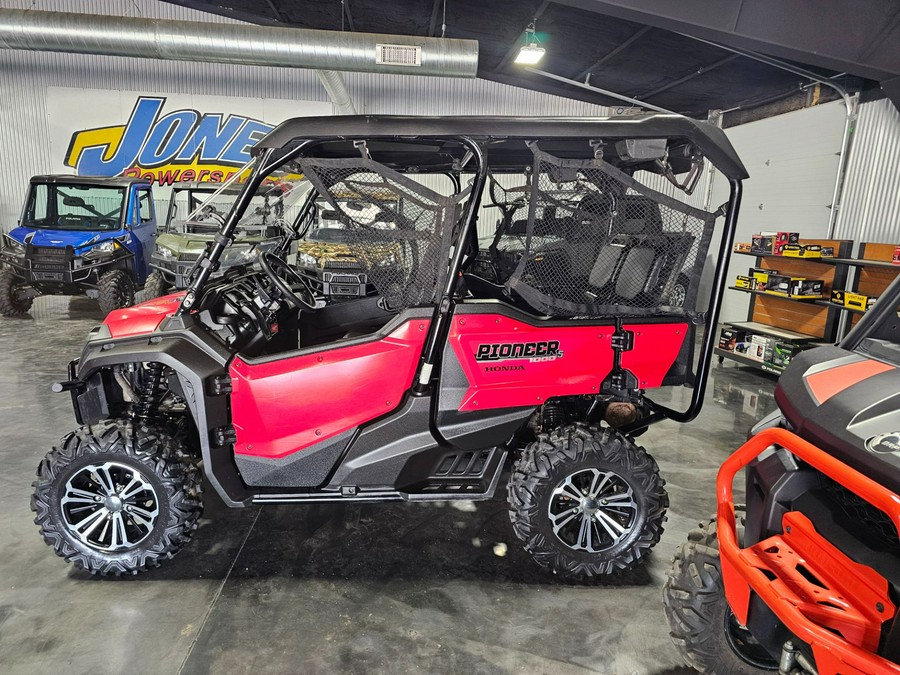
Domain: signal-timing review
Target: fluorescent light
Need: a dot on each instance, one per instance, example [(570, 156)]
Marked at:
[(530, 54)]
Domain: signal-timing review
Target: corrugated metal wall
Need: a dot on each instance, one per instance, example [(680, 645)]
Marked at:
[(25, 76), (870, 208)]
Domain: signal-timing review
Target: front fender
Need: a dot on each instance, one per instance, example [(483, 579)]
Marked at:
[(196, 359)]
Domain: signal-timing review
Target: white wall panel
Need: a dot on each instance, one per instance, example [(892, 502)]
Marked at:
[(792, 160)]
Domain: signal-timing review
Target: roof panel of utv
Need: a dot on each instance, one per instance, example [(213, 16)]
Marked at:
[(562, 136), (105, 181)]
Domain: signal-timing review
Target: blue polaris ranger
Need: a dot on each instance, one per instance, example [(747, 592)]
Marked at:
[(79, 235)]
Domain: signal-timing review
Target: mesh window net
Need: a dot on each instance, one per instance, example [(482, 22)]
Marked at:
[(599, 243), (396, 229)]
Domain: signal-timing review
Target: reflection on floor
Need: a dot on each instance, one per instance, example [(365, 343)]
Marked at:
[(339, 588)]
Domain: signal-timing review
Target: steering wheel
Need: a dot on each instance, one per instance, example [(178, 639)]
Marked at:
[(276, 268)]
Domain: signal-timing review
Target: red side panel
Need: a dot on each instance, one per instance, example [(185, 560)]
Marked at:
[(142, 318), (284, 406), (826, 383), (656, 346), (510, 364)]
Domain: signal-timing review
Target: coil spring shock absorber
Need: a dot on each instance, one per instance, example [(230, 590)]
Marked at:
[(552, 416), (146, 403)]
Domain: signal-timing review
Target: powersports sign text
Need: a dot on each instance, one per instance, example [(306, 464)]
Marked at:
[(165, 147)]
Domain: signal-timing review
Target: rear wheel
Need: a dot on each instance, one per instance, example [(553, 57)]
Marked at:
[(587, 502), (155, 286), (678, 296), (114, 499), (702, 625), (116, 291), (11, 301)]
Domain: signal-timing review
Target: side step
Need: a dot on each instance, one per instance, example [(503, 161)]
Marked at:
[(459, 475)]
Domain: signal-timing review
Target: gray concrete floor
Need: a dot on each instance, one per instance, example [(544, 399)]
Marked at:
[(320, 589)]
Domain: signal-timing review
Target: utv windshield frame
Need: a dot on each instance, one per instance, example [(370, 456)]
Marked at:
[(481, 138)]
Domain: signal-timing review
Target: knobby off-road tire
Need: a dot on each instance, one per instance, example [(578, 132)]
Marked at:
[(155, 286), (149, 499), (10, 302), (619, 499), (701, 623), (116, 291)]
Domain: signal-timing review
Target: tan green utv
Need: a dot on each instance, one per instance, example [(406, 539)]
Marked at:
[(196, 212)]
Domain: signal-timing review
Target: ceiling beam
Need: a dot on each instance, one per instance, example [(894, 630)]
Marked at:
[(617, 50), (687, 78), (832, 34)]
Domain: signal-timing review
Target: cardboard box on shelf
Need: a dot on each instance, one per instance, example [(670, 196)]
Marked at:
[(730, 337), (828, 251), (743, 247), (780, 284), (852, 300), (761, 276), (745, 282), (760, 348), (802, 251), (807, 288), (782, 353), (761, 244), (896, 258), (783, 239)]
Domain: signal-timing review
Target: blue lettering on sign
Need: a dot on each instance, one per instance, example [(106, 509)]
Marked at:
[(91, 162), (238, 151), (167, 137), (179, 137), (210, 138)]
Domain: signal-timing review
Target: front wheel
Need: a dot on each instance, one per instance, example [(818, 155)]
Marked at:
[(587, 502), (116, 291), (701, 624), (155, 286), (114, 499), (11, 301)]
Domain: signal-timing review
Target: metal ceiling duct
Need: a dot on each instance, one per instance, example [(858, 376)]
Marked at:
[(245, 44)]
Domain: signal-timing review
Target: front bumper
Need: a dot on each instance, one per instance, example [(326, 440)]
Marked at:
[(840, 615), (176, 271), (59, 269)]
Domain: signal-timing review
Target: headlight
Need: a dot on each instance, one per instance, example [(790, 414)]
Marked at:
[(102, 249), (306, 260), (165, 252), (237, 255), (13, 246)]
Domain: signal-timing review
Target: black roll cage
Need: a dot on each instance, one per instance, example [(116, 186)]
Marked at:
[(270, 158)]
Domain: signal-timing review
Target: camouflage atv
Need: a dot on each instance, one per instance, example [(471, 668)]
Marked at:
[(328, 258)]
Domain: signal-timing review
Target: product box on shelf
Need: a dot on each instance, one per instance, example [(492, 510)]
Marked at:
[(780, 284), (852, 300), (896, 259), (745, 282), (743, 247), (761, 244), (807, 288), (802, 251), (730, 337), (828, 251), (782, 353), (761, 348), (761, 277), (783, 239)]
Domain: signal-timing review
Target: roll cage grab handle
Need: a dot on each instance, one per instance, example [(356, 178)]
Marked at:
[(270, 159)]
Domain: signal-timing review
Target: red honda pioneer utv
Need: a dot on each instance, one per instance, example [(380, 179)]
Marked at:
[(805, 580), (438, 384)]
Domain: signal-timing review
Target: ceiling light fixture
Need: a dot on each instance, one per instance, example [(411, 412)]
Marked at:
[(531, 52)]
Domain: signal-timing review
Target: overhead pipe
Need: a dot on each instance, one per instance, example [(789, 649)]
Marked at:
[(244, 44), (337, 91)]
